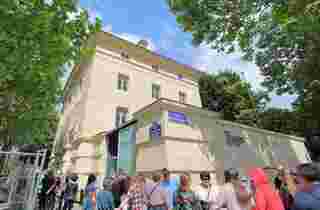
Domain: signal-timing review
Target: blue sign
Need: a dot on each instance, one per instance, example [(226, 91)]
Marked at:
[(155, 131), (179, 117)]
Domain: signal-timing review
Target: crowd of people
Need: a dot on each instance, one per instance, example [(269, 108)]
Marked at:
[(288, 190)]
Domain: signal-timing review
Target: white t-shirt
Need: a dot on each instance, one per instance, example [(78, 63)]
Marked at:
[(211, 195), (202, 193)]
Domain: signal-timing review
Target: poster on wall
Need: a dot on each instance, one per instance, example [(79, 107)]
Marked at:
[(127, 150), (179, 117), (155, 131)]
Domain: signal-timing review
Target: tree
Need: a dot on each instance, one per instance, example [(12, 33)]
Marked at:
[(281, 121), (227, 93), (38, 39), (282, 37)]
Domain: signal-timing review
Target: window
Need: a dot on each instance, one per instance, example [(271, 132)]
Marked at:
[(123, 82), (182, 97), (121, 116), (155, 91)]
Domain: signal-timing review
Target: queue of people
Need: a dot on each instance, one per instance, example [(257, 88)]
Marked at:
[(298, 190)]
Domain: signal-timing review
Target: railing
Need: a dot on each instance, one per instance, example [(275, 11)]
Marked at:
[(19, 178)]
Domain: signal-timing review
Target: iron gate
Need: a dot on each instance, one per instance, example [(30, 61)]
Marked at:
[(19, 178)]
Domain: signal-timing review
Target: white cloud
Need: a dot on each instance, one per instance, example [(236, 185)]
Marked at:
[(207, 59), (136, 38), (93, 14), (107, 28)]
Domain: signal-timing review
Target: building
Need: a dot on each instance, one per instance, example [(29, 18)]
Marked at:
[(125, 81), (193, 139), (104, 91)]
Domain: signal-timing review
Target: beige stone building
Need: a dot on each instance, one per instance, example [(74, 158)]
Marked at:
[(103, 92), (205, 142), (125, 81)]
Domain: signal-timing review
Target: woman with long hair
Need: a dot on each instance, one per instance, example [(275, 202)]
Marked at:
[(90, 192), (185, 198), (105, 199)]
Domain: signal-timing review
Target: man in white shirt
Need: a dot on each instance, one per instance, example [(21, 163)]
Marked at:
[(206, 193)]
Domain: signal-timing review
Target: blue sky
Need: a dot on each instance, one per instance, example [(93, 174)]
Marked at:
[(152, 20)]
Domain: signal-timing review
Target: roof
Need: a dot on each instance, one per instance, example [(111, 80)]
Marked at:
[(141, 54), (166, 101), (118, 45)]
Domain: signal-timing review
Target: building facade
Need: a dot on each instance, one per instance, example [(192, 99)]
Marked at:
[(124, 81), (194, 140), (104, 91)]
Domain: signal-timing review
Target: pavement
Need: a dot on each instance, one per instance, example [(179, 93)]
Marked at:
[(77, 207)]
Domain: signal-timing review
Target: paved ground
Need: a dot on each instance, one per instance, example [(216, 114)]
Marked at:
[(77, 207)]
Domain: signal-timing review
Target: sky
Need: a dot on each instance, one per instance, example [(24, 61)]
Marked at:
[(151, 20)]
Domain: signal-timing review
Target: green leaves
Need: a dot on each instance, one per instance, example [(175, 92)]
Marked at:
[(281, 37), (36, 40), (227, 93)]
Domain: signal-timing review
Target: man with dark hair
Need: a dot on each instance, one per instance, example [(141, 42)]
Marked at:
[(206, 193), (307, 189), (232, 180), (70, 192)]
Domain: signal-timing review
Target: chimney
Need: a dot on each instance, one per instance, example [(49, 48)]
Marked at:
[(143, 43)]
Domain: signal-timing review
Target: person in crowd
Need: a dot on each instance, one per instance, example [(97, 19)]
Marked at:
[(47, 194), (120, 187), (204, 191), (184, 197), (207, 193), (43, 191), (157, 197), (70, 193), (245, 193), (305, 187), (105, 197), (170, 185), (51, 193), (135, 198), (266, 198), (59, 193), (282, 189), (232, 196), (81, 196), (90, 191)]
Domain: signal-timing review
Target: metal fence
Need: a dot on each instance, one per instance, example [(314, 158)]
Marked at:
[(19, 178)]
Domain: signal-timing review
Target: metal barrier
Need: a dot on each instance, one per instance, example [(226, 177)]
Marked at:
[(19, 177)]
